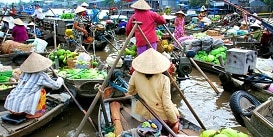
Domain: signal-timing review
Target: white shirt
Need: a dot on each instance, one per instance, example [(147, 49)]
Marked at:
[(39, 13)]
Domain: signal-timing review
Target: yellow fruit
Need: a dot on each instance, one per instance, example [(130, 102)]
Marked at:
[(165, 42), (153, 125), (165, 46)]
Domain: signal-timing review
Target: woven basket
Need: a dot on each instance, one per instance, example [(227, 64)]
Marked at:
[(71, 63), (212, 33), (160, 47)]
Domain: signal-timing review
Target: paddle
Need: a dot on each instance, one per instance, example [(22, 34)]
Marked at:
[(156, 116), (75, 100), (192, 61)]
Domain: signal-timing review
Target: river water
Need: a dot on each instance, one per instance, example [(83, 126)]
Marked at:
[(213, 110)]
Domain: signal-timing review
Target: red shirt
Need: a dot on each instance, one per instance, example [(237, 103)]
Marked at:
[(149, 21)]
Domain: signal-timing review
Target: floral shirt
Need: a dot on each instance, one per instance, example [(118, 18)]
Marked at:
[(77, 33), (179, 30)]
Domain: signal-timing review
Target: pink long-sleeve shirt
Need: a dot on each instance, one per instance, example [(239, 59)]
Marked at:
[(19, 33), (149, 21)]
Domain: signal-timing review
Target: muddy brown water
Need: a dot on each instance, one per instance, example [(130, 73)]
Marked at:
[(213, 110)]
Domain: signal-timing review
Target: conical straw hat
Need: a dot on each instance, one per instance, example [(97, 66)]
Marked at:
[(35, 63), (141, 5), (18, 21), (151, 62), (180, 12), (84, 4), (80, 9), (31, 24)]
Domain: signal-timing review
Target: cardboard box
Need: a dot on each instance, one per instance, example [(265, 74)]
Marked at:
[(240, 61)]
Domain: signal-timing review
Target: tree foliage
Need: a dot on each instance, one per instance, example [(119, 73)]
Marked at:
[(197, 3)]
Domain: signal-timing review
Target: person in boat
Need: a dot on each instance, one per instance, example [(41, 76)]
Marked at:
[(28, 98), (78, 26), (19, 31), (203, 13), (256, 33), (148, 19), (179, 23), (243, 26), (85, 14), (34, 31), (153, 87), (95, 14), (4, 25), (39, 15)]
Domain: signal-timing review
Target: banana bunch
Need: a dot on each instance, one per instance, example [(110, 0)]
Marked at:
[(167, 47)]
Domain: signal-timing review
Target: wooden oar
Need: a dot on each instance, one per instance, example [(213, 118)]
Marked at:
[(75, 100), (156, 116), (115, 115), (193, 62)]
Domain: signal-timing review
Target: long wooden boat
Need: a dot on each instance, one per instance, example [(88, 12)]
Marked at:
[(122, 120), (15, 59), (56, 103), (256, 117)]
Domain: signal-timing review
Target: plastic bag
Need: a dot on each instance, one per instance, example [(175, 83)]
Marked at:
[(39, 45)]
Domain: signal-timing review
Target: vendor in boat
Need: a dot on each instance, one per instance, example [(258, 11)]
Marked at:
[(28, 98), (95, 14), (256, 33), (19, 31), (179, 23), (34, 31), (243, 26), (4, 25), (78, 26), (148, 19), (153, 87), (203, 13)]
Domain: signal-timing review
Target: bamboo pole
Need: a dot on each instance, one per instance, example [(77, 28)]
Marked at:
[(104, 84)]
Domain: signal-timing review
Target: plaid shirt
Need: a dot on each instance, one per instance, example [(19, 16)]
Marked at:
[(26, 95)]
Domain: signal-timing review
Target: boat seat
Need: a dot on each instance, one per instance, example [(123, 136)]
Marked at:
[(13, 119)]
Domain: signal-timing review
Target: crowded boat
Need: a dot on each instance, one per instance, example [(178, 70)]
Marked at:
[(49, 57)]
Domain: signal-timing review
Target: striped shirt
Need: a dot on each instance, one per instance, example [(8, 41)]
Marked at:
[(26, 95)]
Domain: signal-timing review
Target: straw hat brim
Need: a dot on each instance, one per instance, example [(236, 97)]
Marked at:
[(255, 25), (31, 24), (18, 21), (180, 12), (141, 5), (151, 62), (80, 9), (84, 4), (35, 63)]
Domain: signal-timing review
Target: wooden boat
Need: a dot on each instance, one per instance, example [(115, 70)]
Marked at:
[(5, 92), (256, 117), (56, 103), (121, 117)]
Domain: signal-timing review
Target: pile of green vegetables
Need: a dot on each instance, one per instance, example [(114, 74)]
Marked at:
[(82, 74), (212, 56)]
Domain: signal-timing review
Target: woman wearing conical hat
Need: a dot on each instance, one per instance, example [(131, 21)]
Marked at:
[(179, 23), (78, 28), (153, 87), (203, 13), (28, 97), (19, 31), (149, 21)]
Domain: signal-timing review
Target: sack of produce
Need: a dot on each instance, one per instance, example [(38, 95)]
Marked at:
[(9, 46), (207, 43), (196, 42)]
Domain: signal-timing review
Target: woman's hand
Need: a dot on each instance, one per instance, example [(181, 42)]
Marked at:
[(85, 32), (175, 127)]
